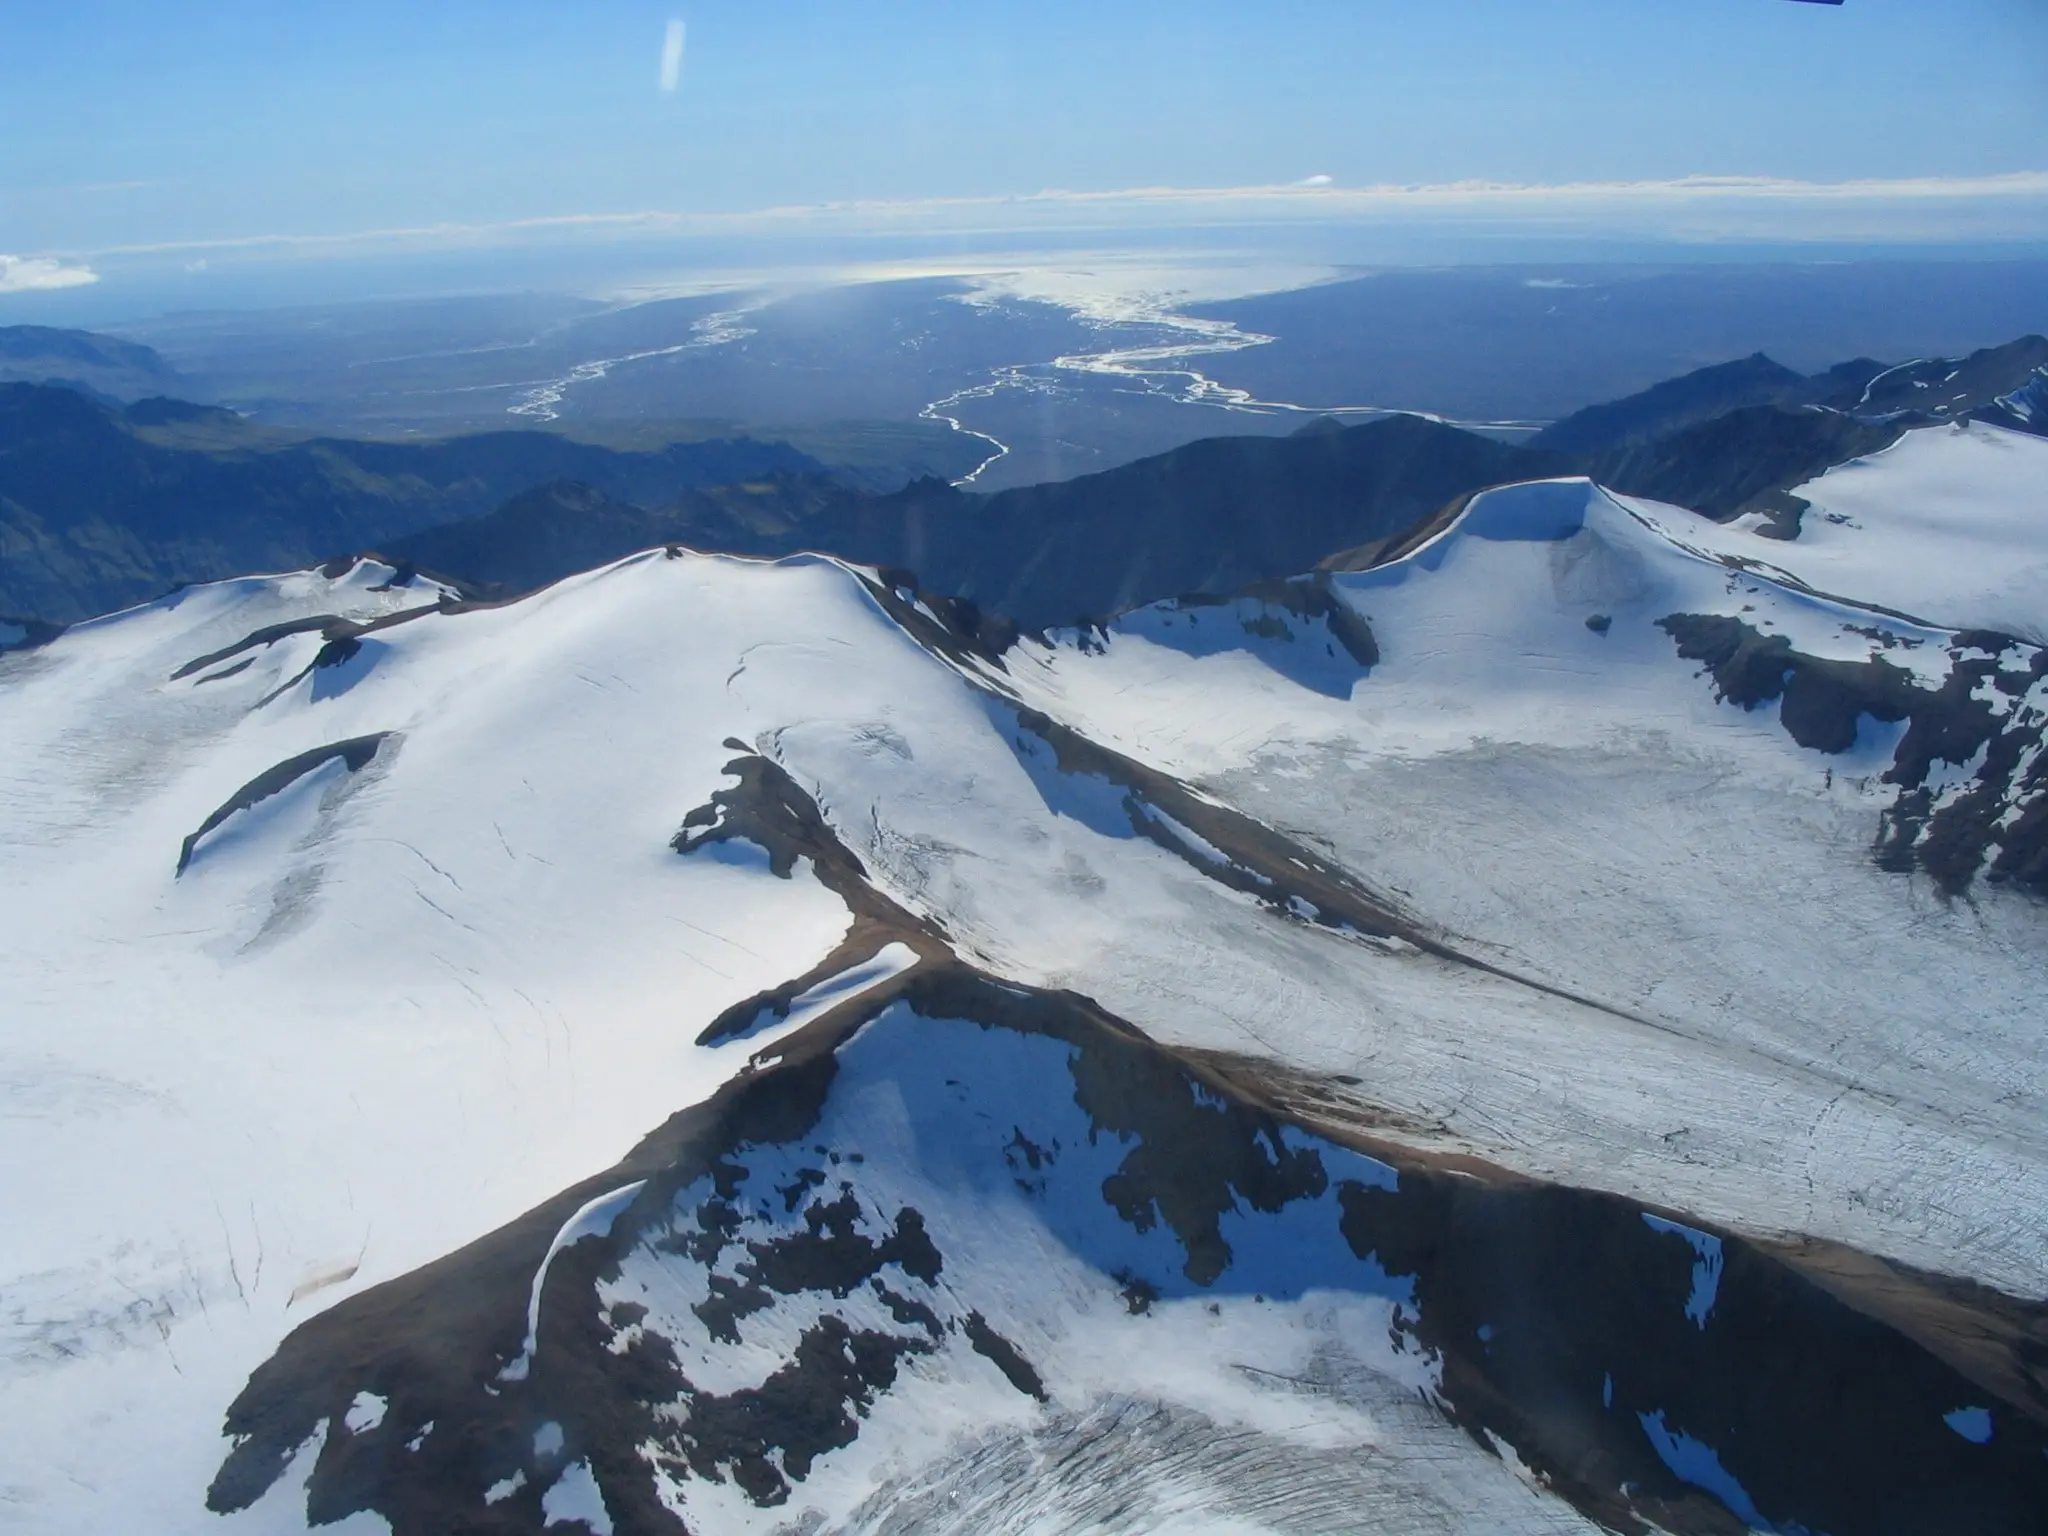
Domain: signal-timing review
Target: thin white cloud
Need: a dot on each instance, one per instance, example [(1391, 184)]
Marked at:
[(672, 55), (34, 274), (1706, 207), (1317, 180)]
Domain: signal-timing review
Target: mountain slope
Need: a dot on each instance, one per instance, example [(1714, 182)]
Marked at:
[(1219, 514), (1952, 389), (434, 1026), (102, 365), (559, 529), (1208, 517), (1568, 703), (100, 508), (1212, 516), (1742, 462), (1676, 403), (108, 506), (854, 1216), (1943, 523), (1935, 389)]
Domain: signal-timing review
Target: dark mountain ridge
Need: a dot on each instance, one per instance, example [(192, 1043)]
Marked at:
[(1981, 385), (102, 506), (565, 526), (105, 366), (1218, 515), (1926, 389), (1212, 516), (1696, 397), (1745, 461)]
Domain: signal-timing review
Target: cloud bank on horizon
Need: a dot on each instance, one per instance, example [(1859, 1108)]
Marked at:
[(1378, 131), (38, 274), (2006, 206)]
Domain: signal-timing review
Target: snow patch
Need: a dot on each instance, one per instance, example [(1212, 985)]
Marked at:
[(1695, 1462), (575, 1499), (1973, 1424), (1706, 1268), (593, 1219), (887, 963), (365, 1413)]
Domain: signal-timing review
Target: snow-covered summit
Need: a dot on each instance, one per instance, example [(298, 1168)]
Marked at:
[(1950, 523), (423, 1015)]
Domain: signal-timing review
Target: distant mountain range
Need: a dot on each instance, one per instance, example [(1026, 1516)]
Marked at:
[(1210, 516), (106, 505), (1699, 396), (1938, 389), (1221, 513), (103, 505), (104, 366)]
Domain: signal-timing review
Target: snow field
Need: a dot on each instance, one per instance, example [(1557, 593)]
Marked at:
[(385, 1010)]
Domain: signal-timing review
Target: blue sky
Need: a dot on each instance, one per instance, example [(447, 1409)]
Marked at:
[(200, 126)]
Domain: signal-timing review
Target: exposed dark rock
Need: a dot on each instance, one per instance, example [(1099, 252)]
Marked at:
[(1583, 1335), (1991, 705), (766, 808), (907, 1311), (1138, 1293), (1007, 1357), (830, 1255), (1955, 389), (1307, 598), (1823, 699), (762, 1436), (328, 625), (353, 754), (1195, 1158), (335, 652), (232, 669), (1953, 837), (1783, 514), (1743, 461), (952, 626)]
